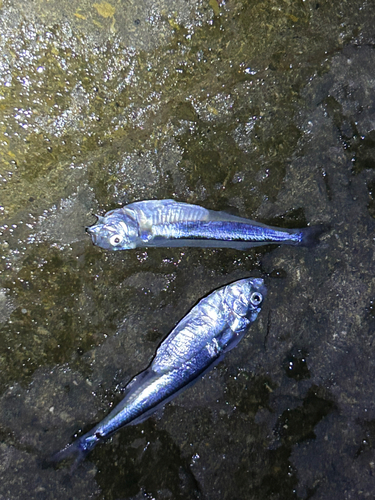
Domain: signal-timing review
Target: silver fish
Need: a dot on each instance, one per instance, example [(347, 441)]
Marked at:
[(198, 342), (168, 223)]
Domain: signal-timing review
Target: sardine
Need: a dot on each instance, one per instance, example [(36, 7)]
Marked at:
[(168, 223), (198, 342)]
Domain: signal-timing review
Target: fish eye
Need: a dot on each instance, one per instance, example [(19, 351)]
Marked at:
[(256, 298), (115, 239)]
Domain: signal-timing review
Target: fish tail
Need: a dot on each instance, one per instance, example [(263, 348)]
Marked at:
[(78, 450), (310, 235)]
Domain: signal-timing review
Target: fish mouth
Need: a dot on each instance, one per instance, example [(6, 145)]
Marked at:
[(95, 228), (90, 230)]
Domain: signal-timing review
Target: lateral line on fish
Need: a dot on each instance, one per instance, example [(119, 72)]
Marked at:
[(168, 223), (199, 341), (223, 230)]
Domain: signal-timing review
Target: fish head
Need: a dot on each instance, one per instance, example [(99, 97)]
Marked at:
[(114, 231), (245, 297)]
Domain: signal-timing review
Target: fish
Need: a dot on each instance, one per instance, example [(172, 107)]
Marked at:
[(198, 342), (169, 223)]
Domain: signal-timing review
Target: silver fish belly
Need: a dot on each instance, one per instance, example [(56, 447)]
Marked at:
[(198, 342), (168, 223)]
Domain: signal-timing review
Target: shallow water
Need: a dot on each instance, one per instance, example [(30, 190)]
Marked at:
[(265, 110)]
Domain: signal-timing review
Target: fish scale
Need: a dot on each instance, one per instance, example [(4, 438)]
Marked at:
[(225, 231), (168, 223), (197, 343)]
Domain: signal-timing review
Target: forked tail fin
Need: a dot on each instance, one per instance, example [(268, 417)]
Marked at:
[(311, 235), (78, 450)]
